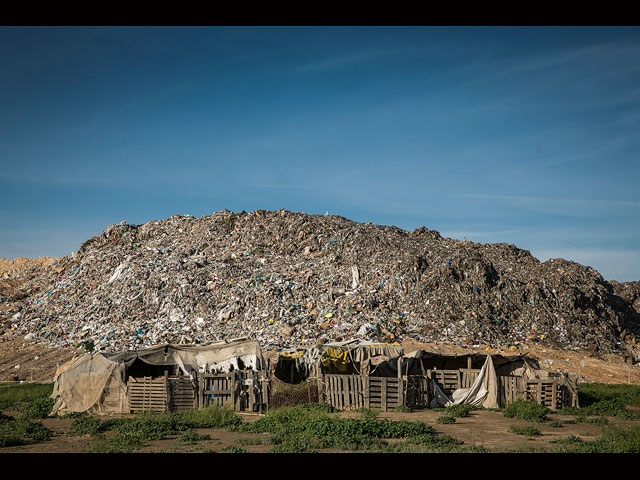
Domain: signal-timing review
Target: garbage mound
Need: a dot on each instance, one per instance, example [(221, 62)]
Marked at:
[(289, 279)]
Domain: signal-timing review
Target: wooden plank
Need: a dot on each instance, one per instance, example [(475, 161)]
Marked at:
[(367, 398), (383, 400)]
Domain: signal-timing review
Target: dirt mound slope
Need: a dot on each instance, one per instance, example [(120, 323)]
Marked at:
[(13, 268), (291, 279)]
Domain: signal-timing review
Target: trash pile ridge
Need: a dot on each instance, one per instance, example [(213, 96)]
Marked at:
[(289, 279)]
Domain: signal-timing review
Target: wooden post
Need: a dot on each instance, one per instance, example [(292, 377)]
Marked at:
[(319, 382), (167, 390), (384, 393), (252, 392), (400, 386), (367, 392)]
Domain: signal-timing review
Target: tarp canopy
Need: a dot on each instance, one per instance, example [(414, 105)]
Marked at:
[(216, 357), (341, 357), (97, 382), (442, 361)]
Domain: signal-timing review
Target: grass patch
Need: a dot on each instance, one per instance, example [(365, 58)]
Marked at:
[(131, 433), (613, 440), (446, 419), (37, 408), (22, 431), (233, 449), (308, 428), (526, 410), (606, 400), (403, 409), (527, 430), (192, 437), (459, 410), (13, 395)]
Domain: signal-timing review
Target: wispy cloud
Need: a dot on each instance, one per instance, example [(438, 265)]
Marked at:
[(277, 186), (341, 61), (552, 202)]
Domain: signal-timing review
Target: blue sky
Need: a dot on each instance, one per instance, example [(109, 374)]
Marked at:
[(520, 135)]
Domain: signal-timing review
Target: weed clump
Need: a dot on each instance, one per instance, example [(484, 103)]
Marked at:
[(526, 410), (528, 430), (446, 419)]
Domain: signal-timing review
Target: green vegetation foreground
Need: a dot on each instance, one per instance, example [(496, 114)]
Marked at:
[(316, 427)]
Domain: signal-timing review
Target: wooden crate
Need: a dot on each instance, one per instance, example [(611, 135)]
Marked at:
[(550, 393), (146, 394)]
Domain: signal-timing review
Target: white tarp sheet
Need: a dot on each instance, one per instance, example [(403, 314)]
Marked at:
[(483, 391)]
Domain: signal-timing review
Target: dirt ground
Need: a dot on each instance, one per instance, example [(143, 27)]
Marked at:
[(486, 429)]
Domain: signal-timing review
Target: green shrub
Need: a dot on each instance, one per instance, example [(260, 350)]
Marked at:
[(403, 409), (304, 428), (529, 431), (10, 440), (210, 417), (87, 425), (25, 429), (233, 449), (116, 444), (606, 400), (147, 426), (38, 408), (526, 410), (459, 410), (192, 437), (613, 440), (446, 419)]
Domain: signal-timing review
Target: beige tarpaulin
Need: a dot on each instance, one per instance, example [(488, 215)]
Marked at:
[(96, 382), (483, 391), (79, 385)]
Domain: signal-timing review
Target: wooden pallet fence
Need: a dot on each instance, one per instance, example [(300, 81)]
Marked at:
[(146, 394), (448, 380), (217, 390), (182, 394), (512, 389), (468, 376), (350, 392), (243, 390), (416, 391)]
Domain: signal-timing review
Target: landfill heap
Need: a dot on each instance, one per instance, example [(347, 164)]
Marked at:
[(289, 279)]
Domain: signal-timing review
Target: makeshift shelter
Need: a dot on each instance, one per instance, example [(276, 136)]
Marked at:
[(348, 358), (164, 378), (492, 381), (424, 379)]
